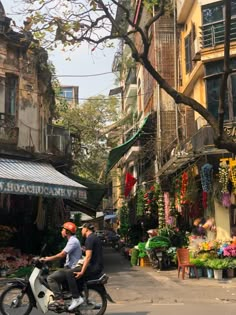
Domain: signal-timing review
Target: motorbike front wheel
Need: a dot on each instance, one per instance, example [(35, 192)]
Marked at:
[(94, 304), (13, 301)]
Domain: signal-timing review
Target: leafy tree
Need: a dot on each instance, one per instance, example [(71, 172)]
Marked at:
[(72, 22), (86, 123)]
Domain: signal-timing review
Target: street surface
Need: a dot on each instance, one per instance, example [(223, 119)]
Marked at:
[(145, 291)]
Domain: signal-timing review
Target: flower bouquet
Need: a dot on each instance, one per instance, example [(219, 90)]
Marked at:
[(229, 250)]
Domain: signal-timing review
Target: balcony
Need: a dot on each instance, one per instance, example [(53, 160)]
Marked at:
[(8, 130), (183, 8), (130, 93), (57, 140), (213, 34)]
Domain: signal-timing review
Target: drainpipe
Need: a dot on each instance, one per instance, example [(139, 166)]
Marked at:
[(175, 72), (157, 97)]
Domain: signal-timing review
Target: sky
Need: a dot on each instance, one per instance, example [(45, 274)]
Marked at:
[(82, 62)]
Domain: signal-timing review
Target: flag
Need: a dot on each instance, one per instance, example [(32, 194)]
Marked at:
[(129, 183)]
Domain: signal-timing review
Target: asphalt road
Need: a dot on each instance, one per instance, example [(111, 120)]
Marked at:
[(145, 285), (145, 291)]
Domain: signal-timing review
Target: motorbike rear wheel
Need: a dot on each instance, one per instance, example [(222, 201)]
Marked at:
[(13, 301), (95, 303)]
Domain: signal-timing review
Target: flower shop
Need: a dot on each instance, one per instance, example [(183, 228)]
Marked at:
[(197, 210), (26, 222)]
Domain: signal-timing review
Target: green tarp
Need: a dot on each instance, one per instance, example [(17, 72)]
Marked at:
[(95, 191), (116, 154)]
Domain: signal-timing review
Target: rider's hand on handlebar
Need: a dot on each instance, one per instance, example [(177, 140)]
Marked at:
[(78, 274), (43, 259)]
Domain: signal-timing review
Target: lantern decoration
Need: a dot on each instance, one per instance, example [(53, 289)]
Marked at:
[(167, 205), (206, 181), (184, 185), (233, 177), (224, 176), (206, 177), (161, 212)]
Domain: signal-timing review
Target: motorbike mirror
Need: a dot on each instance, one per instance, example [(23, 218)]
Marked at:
[(42, 250)]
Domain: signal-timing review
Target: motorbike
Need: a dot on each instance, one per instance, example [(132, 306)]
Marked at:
[(158, 258), (22, 295)]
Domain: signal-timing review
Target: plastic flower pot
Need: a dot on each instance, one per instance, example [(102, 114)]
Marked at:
[(210, 273), (230, 273), (218, 274)]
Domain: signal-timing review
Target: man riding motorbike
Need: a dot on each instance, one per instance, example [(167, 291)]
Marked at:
[(72, 252), (92, 264)]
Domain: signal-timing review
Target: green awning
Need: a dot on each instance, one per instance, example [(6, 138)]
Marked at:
[(116, 154), (95, 192)]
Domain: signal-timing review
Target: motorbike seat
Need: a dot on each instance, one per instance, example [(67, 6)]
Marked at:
[(101, 280)]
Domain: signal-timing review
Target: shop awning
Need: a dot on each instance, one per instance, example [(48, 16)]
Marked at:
[(34, 178), (95, 192), (116, 154), (110, 217)]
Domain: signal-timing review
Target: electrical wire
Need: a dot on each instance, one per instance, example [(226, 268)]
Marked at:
[(81, 75), (84, 99)]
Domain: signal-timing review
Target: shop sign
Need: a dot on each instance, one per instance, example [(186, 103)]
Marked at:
[(230, 130), (24, 188)]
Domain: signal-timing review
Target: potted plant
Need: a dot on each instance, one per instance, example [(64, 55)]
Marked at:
[(231, 266), (199, 263), (209, 270), (217, 264)]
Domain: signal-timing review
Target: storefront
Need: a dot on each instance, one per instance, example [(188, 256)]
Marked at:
[(32, 207)]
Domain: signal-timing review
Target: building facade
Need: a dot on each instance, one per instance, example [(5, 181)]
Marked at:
[(187, 49), (34, 154)]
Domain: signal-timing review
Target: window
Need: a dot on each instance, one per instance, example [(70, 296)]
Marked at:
[(11, 86), (213, 13), (213, 23), (67, 93), (139, 96), (188, 54), (213, 89)]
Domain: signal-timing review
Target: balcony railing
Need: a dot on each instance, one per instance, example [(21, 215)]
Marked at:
[(57, 140), (8, 130), (213, 34)]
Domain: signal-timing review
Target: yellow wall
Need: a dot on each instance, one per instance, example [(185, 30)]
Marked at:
[(222, 222)]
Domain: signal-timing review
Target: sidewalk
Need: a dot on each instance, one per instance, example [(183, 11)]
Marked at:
[(144, 284)]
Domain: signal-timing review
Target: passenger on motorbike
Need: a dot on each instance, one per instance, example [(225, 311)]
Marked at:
[(72, 252), (92, 265)]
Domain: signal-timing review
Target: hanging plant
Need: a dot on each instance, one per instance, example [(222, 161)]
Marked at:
[(192, 193), (150, 199), (224, 176), (177, 192), (124, 220), (140, 203)]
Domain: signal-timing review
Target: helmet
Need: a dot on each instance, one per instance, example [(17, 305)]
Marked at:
[(88, 226), (70, 226)]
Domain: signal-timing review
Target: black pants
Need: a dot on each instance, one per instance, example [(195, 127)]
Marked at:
[(76, 285)]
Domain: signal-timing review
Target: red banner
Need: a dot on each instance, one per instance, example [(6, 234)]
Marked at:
[(129, 183)]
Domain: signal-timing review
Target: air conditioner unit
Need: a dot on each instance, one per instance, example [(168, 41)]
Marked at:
[(196, 50), (196, 45)]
